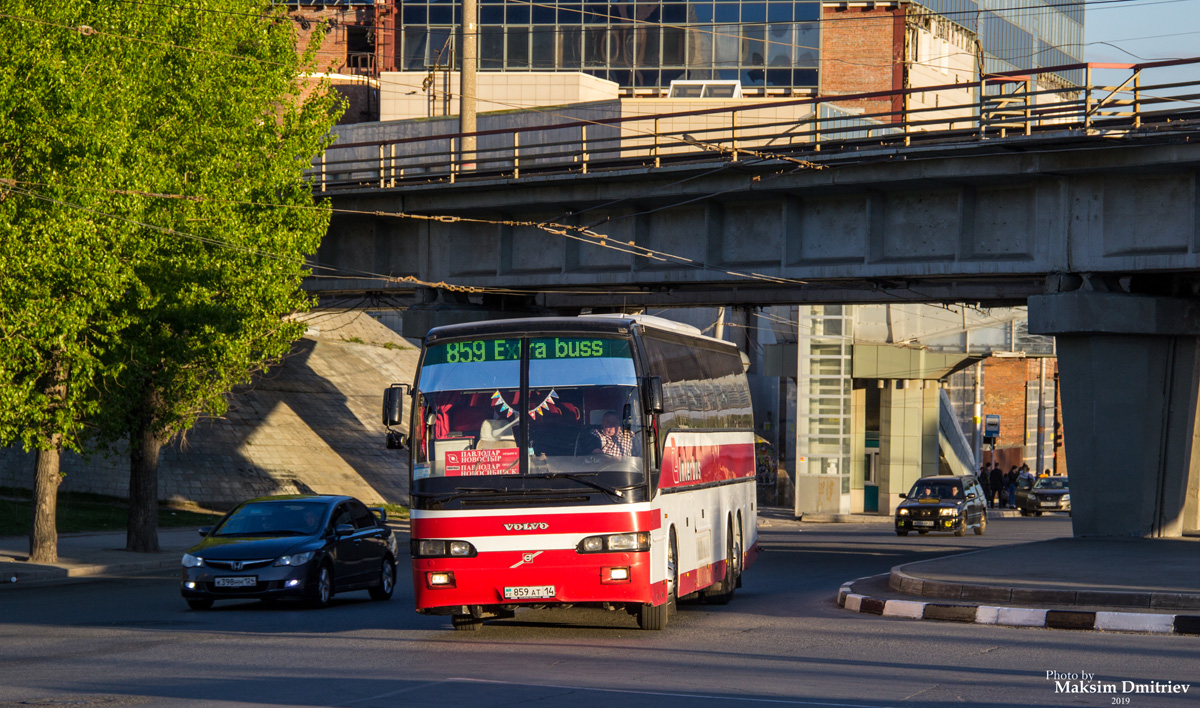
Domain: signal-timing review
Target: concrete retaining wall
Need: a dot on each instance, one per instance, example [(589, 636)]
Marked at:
[(310, 425)]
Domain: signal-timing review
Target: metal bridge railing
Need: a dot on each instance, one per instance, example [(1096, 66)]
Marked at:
[(999, 106)]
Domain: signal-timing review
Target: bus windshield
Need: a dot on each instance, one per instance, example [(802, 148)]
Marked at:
[(582, 411)]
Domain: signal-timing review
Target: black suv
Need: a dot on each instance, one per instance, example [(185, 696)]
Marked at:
[(942, 503)]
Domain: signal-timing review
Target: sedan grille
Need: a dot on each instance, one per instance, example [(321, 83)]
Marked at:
[(238, 564)]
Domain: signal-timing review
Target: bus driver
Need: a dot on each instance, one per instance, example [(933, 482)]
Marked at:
[(610, 439)]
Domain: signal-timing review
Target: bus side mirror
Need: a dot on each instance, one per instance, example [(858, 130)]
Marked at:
[(654, 395), (393, 404), (397, 441)]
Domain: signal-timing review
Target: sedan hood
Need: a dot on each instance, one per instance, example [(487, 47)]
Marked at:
[(930, 504), (250, 547)]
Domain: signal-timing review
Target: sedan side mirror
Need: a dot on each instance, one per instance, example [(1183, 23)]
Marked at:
[(343, 530), (902, 496), (970, 495), (205, 531)]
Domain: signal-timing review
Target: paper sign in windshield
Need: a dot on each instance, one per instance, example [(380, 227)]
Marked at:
[(468, 463)]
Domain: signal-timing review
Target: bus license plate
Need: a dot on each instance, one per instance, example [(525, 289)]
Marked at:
[(528, 592), (922, 523), (248, 581)]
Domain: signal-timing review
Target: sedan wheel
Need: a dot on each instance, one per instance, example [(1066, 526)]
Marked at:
[(387, 581), (982, 524), (321, 591)]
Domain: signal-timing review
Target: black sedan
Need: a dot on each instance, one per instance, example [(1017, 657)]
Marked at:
[(942, 503), (1047, 494), (298, 546)]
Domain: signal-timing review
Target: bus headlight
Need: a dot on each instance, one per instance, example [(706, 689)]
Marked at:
[(614, 543), (442, 549)]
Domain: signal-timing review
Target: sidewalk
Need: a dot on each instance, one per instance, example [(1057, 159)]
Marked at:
[(89, 555), (1118, 584), (82, 555)]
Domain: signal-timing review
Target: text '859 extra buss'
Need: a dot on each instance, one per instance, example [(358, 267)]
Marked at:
[(603, 461)]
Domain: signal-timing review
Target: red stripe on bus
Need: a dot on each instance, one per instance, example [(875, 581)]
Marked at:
[(468, 527), (575, 577), (693, 465)]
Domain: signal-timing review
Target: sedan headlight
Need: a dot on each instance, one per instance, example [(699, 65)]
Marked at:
[(1066, 497), (947, 511), (295, 558), (190, 561), (612, 543), (902, 512)]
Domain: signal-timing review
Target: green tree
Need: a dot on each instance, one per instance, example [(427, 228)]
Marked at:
[(210, 106), (63, 272)]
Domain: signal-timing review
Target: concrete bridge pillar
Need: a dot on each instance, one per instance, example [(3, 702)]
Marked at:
[(1129, 370)]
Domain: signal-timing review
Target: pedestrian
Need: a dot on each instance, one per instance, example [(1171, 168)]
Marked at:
[(1013, 478), (984, 482), (996, 480)]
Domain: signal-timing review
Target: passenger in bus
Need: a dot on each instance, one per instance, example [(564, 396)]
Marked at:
[(611, 440)]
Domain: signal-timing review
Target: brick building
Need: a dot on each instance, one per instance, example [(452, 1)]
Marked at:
[(1010, 386)]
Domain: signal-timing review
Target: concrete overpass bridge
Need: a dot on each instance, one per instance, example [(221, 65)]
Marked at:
[(1083, 204)]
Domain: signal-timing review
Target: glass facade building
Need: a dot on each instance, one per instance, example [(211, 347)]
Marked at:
[(762, 43)]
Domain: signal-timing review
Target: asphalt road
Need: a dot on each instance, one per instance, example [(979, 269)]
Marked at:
[(782, 641)]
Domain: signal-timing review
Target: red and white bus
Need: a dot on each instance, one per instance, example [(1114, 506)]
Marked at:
[(602, 461)]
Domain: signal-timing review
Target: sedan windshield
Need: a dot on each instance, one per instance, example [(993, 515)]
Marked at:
[(1051, 483), (274, 519), (936, 490)]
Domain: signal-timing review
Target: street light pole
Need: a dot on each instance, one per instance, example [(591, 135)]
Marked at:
[(467, 83)]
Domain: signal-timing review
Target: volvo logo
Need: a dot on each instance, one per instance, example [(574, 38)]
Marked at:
[(235, 565), (540, 526)]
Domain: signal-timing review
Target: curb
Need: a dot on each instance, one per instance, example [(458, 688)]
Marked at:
[(1018, 616), (40, 574), (902, 582)]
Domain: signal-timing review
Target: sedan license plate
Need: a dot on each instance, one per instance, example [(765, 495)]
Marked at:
[(1049, 503), (247, 581), (528, 592), (922, 523)]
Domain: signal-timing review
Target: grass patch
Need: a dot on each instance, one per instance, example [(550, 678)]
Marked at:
[(395, 511), (78, 511)]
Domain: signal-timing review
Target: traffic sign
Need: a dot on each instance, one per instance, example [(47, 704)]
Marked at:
[(991, 426)]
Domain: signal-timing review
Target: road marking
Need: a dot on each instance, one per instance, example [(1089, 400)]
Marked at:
[(668, 694), (389, 694)]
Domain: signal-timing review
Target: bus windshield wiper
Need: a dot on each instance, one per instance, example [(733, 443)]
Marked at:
[(460, 492), (581, 477)]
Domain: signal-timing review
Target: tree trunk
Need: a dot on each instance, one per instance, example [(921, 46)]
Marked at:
[(43, 535), (141, 531)]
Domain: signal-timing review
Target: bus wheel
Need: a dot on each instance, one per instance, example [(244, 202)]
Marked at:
[(654, 617), (465, 623)]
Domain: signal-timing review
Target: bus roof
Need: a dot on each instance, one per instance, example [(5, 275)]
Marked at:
[(604, 323)]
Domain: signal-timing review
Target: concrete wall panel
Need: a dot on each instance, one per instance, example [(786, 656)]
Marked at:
[(460, 248), (835, 229), (1163, 222), (527, 249), (752, 233), (919, 225), (1003, 222)]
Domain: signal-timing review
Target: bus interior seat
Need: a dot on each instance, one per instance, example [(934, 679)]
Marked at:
[(496, 435)]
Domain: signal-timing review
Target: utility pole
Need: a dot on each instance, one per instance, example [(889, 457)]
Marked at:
[(978, 414), (1041, 421), (467, 83)]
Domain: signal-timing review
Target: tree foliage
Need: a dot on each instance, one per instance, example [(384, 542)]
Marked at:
[(155, 217)]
